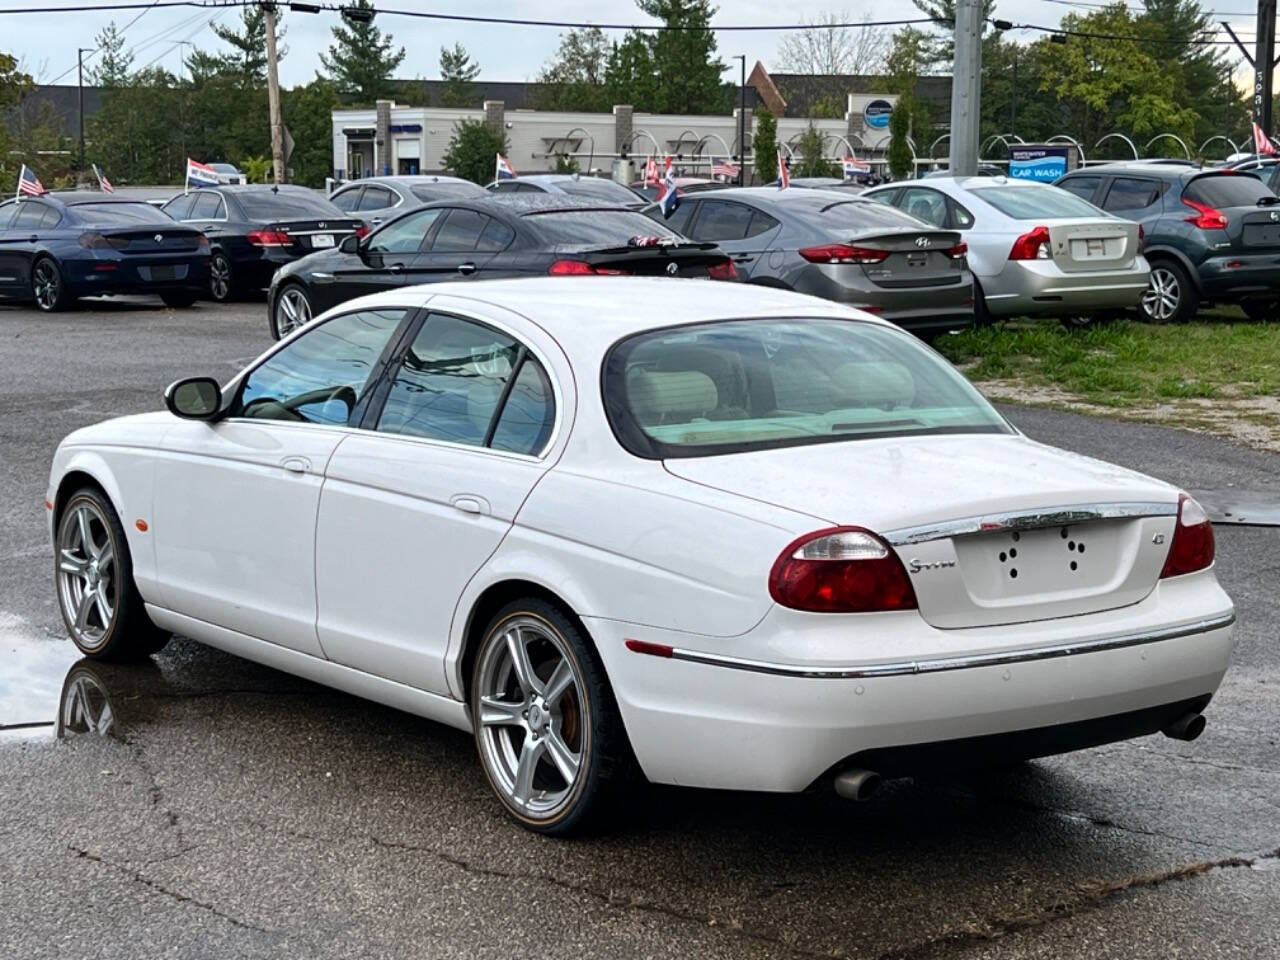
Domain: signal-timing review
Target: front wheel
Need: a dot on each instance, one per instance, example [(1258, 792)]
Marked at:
[(99, 603), (292, 310), (48, 288), (220, 277), (547, 728), (1170, 296)]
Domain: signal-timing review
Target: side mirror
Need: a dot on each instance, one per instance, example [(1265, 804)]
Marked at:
[(196, 398), (350, 245)]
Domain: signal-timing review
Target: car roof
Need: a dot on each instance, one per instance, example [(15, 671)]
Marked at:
[(588, 314), (409, 180), (525, 203)]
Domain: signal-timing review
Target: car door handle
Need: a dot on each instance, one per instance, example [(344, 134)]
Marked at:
[(466, 269), (296, 464), (469, 503), (396, 268), (743, 257)]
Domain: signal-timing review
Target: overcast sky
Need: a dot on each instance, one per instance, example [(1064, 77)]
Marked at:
[(46, 44)]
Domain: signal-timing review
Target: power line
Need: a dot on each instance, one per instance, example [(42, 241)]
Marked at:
[(1089, 35)]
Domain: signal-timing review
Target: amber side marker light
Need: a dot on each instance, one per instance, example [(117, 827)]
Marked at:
[(48, 504), (653, 649), (141, 525)]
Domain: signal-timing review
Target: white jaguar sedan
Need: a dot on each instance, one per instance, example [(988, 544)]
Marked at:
[(720, 535)]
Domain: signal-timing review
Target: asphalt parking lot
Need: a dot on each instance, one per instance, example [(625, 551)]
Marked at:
[(227, 810)]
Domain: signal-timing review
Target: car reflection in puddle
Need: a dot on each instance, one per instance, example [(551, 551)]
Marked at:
[(85, 705)]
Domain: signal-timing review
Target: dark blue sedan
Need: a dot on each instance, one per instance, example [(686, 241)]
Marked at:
[(60, 246)]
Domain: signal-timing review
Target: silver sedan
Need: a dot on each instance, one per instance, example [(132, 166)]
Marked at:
[(1034, 249)]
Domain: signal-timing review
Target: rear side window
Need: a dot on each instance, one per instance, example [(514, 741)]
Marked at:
[(1082, 187), (1128, 194), (323, 374), (1034, 202), (595, 228), (928, 206), (1227, 190), (460, 233), (207, 206), (376, 198)]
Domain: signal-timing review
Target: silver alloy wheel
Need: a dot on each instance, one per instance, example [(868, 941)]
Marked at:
[(86, 708), (534, 724), (45, 284), (88, 587), (219, 277), (1163, 295), (293, 310)]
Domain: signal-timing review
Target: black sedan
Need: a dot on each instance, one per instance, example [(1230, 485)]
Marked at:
[(60, 246), (516, 236), (254, 230)]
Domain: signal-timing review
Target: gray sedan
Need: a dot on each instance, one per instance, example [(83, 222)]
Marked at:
[(1034, 249), (838, 247), (375, 199)]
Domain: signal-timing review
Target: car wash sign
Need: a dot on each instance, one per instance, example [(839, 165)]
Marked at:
[(1043, 163), (877, 114)]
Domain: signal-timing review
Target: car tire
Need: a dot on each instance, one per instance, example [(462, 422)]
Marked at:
[(1261, 311), (1080, 321), (179, 299), (291, 310), (981, 315), (93, 573), (552, 747), (221, 281), (48, 288), (1170, 296)]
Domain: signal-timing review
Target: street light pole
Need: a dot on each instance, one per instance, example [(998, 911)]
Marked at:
[(273, 95), (80, 52), (742, 121), (966, 89)]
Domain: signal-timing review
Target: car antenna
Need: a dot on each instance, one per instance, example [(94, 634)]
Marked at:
[(275, 188)]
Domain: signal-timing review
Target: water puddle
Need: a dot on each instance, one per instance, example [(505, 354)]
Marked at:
[(32, 675)]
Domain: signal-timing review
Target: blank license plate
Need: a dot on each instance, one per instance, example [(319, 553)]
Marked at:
[(322, 240), (162, 273)]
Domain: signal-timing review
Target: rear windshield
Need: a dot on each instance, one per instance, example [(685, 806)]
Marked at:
[(122, 214), (1227, 190), (738, 385), (595, 188), (266, 205), (1036, 203), (841, 216), (442, 191), (584, 229)]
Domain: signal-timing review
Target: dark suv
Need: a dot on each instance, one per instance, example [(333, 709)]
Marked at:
[(1211, 234)]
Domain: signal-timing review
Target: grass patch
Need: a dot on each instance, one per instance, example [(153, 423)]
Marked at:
[(1126, 363)]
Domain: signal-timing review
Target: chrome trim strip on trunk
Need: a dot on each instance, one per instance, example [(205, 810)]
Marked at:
[(1030, 520), (943, 664)]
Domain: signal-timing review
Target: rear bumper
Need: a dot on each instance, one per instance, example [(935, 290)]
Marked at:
[(1042, 288), (1255, 276), (948, 307), (699, 723), (87, 277)]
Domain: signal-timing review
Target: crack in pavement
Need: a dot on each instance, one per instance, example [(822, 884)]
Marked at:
[(1093, 897), (150, 884), (613, 900)]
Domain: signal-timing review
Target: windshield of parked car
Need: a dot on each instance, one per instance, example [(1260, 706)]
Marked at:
[(738, 385), (594, 228), (597, 188), (120, 214), (1228, 190), (1036, 203), (301, 205)]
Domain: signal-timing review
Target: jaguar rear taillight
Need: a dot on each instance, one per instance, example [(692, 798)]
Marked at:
[(362, 231), (96, 241), (841, 570), (270, 238), (843, 253), (1192, 547), (1032, 245), (1207, 217)]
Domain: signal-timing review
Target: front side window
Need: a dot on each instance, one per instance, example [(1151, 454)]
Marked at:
[(737, 385), (179, 207), (7, 210), (30, 215), (322, 375), (464, 382), (1035, 202), (347, 200), (405, 235)]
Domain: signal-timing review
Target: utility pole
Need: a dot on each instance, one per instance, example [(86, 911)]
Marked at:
[(1263, 61), (273, 95), (742, 121), (80, 52), (966, 89)]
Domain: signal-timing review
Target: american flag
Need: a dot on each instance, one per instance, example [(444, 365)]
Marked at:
[(726, 170), (1262, 144), (29, 183), (103, 183), (784, 175), (651, 171)]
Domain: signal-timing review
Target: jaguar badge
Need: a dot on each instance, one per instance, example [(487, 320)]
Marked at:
[(673, 269)]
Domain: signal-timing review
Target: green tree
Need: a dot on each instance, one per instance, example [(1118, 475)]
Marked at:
[(308, 113), (473, 150), (256, 169), (910, 116), (684, 57), (812, 163), (764, 147), (361, 58), (566, 163), (630, 74), (459, 74), (574, 78), (140, 132), (14, 84), (248, 59), (114, 61), (899, 153), (939, 48)]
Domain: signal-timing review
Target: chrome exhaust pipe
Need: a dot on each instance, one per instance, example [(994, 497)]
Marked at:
[(1187, 727), (857, 784)]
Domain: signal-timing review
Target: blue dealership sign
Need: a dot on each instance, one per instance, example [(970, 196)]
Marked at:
[(1044, 164), (877, 113)]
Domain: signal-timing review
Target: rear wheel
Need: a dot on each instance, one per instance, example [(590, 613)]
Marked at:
[(220, 286), (48, 288), (1170, 296), (292, 310), (178, 298), (547, 729), (981, 315), (94, 573)]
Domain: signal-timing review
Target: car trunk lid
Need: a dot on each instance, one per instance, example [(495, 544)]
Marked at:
[(1238, 205), (133, 241), (644, 258), (1085, 244), (906, 258), (965, 512), (308, 235)]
